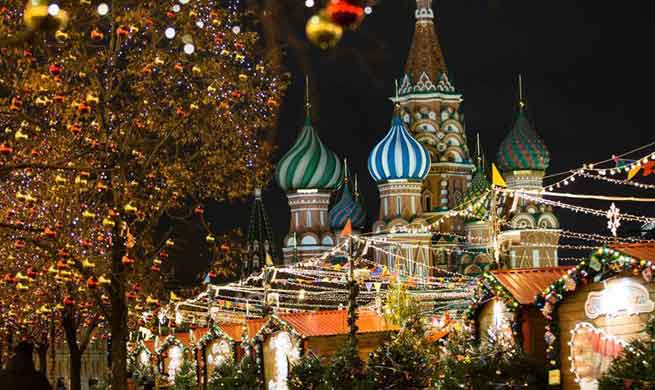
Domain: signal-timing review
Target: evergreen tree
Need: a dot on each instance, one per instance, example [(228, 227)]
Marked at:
[(185, 379), (401, 363), (634, 368), (306, 374), (463, 362), (223, 377)]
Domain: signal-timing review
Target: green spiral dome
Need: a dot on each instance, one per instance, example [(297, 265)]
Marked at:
[(309, 164)]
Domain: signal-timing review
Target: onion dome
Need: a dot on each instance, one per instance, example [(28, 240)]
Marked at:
[(348, 207), (398, 156), (309, 164), (523, 149), (472, 198)]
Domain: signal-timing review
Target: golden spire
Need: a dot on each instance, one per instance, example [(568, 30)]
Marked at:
[(396, 106), (521, 100), (356, 189), (478, 150), (308, 104), (345, 171)]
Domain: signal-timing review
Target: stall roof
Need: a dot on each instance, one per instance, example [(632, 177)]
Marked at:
[(234, 330), (638, 250), (335, 322), (526, 283)]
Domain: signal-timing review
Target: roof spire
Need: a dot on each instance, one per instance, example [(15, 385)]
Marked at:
[(308, 104), (396, 106), (478, 149), (346, 176), (425, 55), (521, 100), (356, 189)]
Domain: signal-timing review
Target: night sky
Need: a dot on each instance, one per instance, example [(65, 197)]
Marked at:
[(588, 76)]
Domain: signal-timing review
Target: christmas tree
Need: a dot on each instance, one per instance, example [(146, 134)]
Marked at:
[(403, 362), (306, 374), (116, 116), (634, 368), (185, 378)]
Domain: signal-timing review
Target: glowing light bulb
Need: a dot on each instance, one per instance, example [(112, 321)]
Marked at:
[(368, 10), (103, 9), (176, 8), (236, 29), (53, 9), (309, 3), (189, 48), (184, 1), (200, 24), (170, 33)]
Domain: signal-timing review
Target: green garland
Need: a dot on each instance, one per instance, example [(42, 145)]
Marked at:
[(487, 288), (602, 264)]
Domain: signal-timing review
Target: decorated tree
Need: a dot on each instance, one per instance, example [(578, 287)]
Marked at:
[(400, 305), (116, 114), (306, 374), (404, 361), (633, 368), (464, 362), (185, 379)]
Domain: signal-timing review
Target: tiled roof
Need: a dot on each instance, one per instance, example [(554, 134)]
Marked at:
[(307, 324), (640, 250), (335, 322), (525, 283), (254, 326), (235, 331)]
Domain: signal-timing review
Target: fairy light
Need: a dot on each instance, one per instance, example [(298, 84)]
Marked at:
[(170, 33), (103, 9), (53, 9)]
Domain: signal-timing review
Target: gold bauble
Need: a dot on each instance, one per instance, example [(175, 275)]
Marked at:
[(322, 32), (38, 18)]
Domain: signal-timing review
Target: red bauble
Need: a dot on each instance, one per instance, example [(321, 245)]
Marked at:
[(345, 13)]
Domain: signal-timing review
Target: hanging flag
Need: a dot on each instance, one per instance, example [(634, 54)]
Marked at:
[(496, 177), (173, 297), (649, 168), (348, 229), (377, 286), (634, 171), (207, 280), (368, 286), (269, 260)]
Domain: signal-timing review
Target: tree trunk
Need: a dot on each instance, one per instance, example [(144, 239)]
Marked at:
[(74, 354), (75, 369), (118, 321), (42, 352)]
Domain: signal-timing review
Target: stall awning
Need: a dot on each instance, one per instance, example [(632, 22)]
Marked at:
[(335, 322), (639, 250), (526, 283)]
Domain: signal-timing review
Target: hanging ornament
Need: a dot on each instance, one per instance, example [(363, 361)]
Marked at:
[(41, 16), (345, 13), (322, 32), (613, 219)]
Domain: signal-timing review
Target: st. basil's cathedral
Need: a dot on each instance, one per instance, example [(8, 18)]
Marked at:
[(435, 198)]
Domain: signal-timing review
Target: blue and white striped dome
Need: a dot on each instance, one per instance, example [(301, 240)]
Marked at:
[(398, 156)]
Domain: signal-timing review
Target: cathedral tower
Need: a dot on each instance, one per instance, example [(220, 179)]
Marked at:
[(260, 238), (399, 164), (431, 109), (308, 173), (523, 159), (347, 207)]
